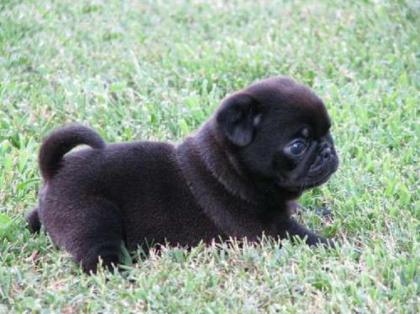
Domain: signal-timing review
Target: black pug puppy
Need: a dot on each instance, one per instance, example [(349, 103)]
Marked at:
[(237, 177)]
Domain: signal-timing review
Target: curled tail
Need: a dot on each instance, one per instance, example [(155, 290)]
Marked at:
[(61, 141)]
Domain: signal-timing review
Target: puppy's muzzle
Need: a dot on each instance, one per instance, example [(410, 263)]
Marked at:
[(326, 160)]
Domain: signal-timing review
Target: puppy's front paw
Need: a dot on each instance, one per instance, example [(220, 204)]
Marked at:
[(328, 243)]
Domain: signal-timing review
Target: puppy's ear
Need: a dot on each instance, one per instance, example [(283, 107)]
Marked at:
[(238, 118)]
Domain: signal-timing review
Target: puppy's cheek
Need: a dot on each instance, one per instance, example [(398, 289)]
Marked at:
[(258, 163), (282, 165)]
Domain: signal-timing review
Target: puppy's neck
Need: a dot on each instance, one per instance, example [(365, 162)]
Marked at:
[(216, 160), (222, 165), (219, 188)]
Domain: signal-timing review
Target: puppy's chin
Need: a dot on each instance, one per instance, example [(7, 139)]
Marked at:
[(307, 181), (311, 182), (302, 185)]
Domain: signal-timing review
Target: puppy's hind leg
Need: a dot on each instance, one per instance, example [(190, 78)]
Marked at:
[(34, 224), (96, 235)]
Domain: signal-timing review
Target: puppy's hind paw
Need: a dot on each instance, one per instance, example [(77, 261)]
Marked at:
[(107, 255)]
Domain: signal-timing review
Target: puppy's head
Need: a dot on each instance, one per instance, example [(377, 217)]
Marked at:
[(279, 131)]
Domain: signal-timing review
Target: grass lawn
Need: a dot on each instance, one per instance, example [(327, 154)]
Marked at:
[(155, 70)]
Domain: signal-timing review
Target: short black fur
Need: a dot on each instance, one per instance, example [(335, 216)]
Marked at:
[(236, 177)]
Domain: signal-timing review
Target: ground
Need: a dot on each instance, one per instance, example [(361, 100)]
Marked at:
[(155, 70)]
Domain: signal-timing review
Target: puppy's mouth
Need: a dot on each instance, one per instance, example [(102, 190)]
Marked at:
[(320, 173), (315, 176)]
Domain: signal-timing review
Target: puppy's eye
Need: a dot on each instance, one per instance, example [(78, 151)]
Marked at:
[(297, 147)]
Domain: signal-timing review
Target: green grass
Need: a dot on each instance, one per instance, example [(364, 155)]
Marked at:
[(156, 70)]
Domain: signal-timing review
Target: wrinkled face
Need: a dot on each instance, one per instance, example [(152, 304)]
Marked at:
[(312, 160), (301, 158), (281, 132)]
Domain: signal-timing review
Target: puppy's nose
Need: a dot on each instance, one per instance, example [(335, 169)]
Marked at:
[(326, 153)]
